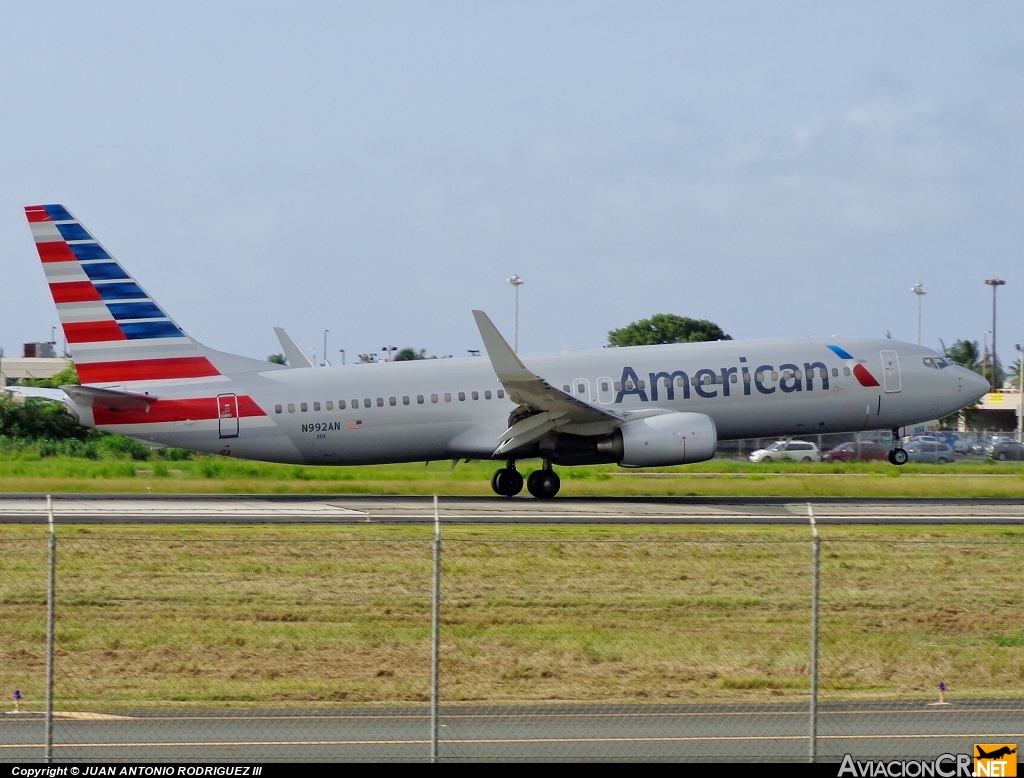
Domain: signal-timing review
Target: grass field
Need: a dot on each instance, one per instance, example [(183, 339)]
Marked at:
[(271, 616), (32, 473)]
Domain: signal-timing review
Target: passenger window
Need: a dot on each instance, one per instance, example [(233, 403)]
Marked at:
[(462, 396), (316, 406), (475, 395), (392, 401), (380, 402), (304, 407), (433, 398), (565, 388), (487, 394), (367, 402), (341, 405), (501, 394), (330, 405), (419, 399), (291, 407), (447, 397), (835, 372), (405, 399), (278, 408)]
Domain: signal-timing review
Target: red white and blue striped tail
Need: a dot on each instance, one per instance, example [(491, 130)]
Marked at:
[(116, 332)]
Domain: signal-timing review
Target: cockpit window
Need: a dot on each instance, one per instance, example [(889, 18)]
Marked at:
[(936, 363), (929, 362)]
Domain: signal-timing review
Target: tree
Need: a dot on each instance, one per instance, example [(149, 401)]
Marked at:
[(408, 354), (277, 359), (964, 353), (65, 377), (666, 328)]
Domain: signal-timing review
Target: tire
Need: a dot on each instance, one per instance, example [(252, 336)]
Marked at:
[(1001, 456), (899, 456), (543, 484), (806, 459), (507, 482)]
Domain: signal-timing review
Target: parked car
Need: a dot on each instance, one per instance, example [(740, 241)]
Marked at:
[(929, 451), (797, 450), (849, 452), (995, 440), (1008, 449)]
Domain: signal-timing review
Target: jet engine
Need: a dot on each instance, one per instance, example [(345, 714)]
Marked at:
[(659, 441)]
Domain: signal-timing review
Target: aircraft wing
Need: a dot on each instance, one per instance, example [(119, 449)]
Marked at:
[(550, 408)]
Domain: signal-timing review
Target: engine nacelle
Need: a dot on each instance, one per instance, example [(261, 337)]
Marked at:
[(660, 441)]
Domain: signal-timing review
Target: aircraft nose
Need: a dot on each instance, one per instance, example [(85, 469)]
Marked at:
[(974, 386)]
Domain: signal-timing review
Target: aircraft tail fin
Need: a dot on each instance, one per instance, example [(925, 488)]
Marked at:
[(116, 332)]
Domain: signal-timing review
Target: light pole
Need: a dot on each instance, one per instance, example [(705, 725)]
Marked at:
[(389, 350), (326, 361), (342, 355), (984, 358), (1020, 392), (995, 283), (516, 282), (918, 289)]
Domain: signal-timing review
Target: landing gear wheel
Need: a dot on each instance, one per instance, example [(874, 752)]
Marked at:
[(899, 456), (507, 482), (543, 484)]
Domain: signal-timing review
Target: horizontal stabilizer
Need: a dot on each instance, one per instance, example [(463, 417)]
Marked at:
[(110, 399)]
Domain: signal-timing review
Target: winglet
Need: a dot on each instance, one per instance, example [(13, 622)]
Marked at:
[(295, 355), (507, 366)]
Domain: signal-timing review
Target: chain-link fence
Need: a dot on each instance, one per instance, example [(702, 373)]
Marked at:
[(625, 643)]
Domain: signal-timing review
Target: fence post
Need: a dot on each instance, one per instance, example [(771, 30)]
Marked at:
[(435, 631), (50, 623), (815, 587)]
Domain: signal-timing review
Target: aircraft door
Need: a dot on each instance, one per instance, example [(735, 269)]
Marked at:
[(891, 380), (605, 390), (227, 415)]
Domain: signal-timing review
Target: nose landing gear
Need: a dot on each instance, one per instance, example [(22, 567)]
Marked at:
[(898, 455)]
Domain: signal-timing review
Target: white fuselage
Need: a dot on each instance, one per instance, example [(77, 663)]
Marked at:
[(455, 408)]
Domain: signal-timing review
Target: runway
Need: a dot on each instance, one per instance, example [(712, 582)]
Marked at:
[(344, 509), (693, 733)]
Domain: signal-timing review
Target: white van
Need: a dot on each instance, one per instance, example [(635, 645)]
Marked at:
[(796, 450)]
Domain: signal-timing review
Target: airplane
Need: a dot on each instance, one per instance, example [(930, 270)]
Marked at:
[(999, 752), (642, 406)]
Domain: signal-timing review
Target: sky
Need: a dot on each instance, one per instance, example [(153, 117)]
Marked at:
[(379, 169)]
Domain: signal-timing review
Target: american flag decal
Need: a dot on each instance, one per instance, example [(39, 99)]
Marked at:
[(354, 424)]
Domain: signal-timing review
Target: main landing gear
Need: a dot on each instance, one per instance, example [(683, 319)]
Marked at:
[(898, 455), (542, 484)]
